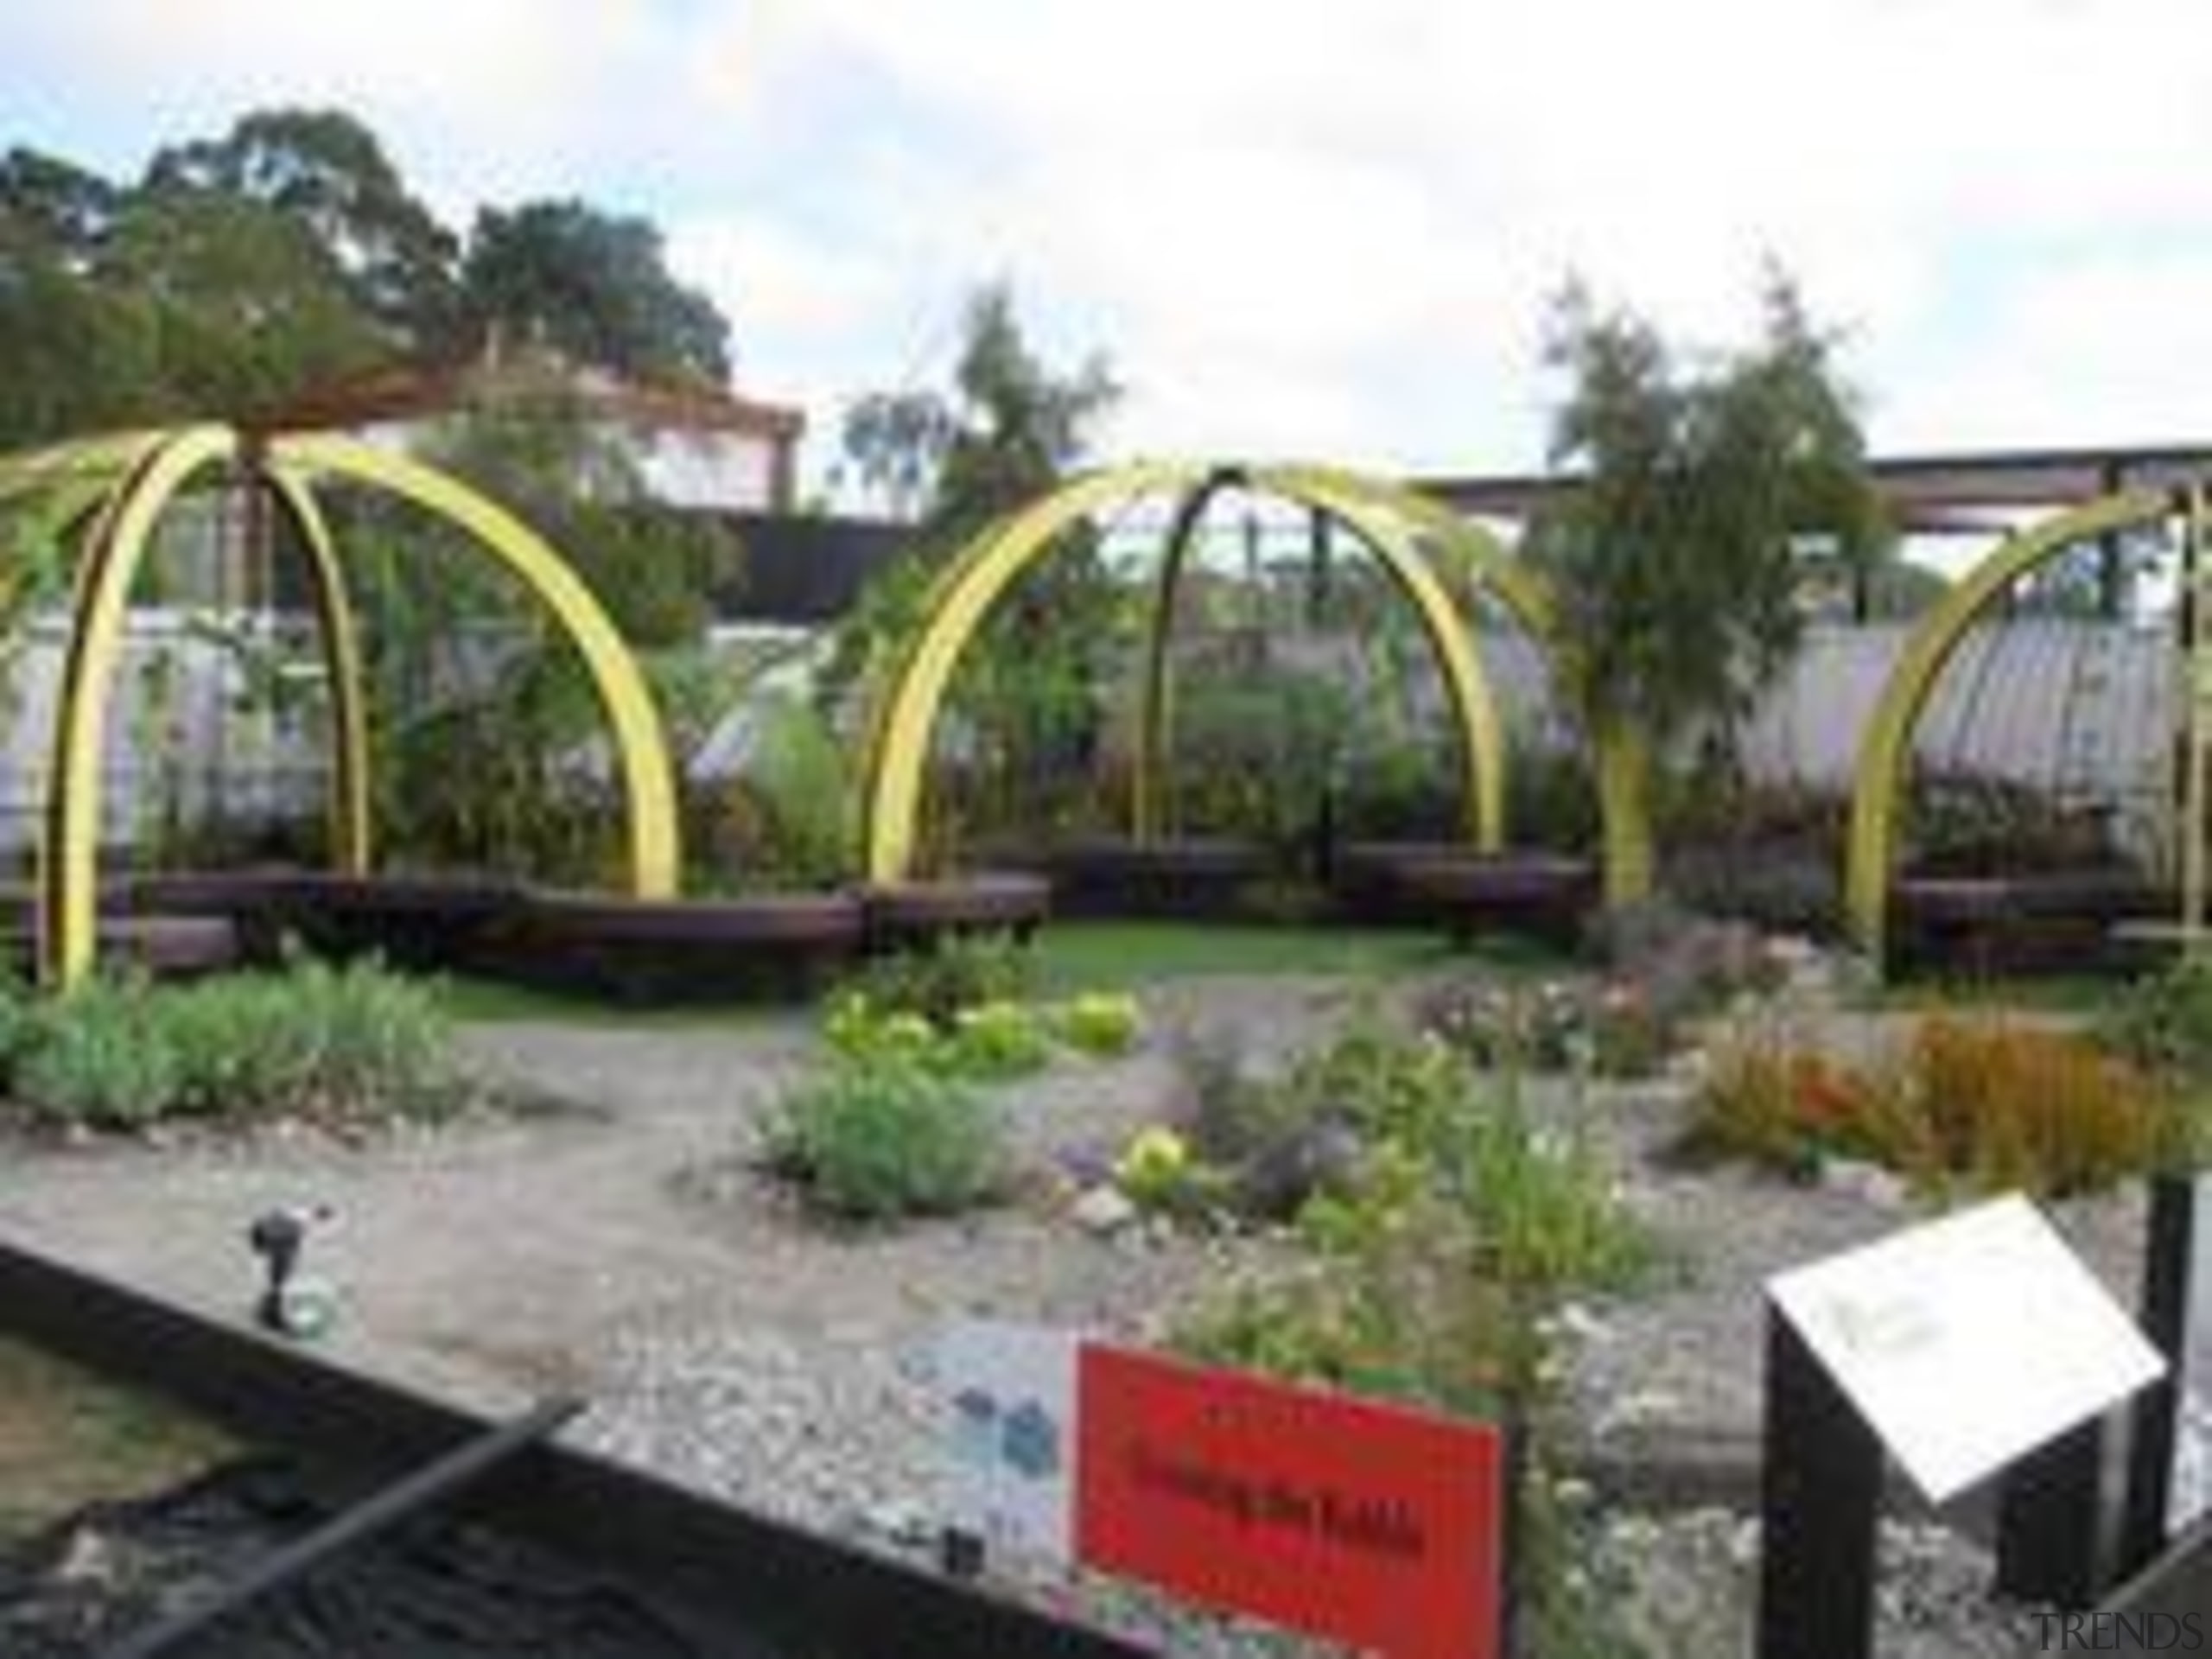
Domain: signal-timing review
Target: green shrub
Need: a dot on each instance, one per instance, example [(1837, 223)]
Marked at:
[(993, 1041), (1104, 1024), (875, 1140), (347, 1043), (1441, 1273), (2164, 1021), (961, 971), (1987, 1105), (100, 1057)]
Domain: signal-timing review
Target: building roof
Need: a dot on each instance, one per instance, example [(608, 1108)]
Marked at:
[(1930, 493), (417, 392)]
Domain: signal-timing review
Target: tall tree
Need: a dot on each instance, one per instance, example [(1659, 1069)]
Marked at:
[(594, 286), (245, 304), (328, 171), (1674, 550), (1007, 430)]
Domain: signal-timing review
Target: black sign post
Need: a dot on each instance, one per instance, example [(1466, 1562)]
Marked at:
[(2168, 1257), (2050, 1516), (1821, 1509)]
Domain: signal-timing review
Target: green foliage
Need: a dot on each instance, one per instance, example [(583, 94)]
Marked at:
[(1674, 555), (2164, 1021), (878, 1139), (1965, 823), (289, 253), (1438, 1274), (337, 1045), (996, 1041), (593, 286), (962, 971), (1258, 751), (1106, 1024), (327, 172), (1027, 694), (102, 1058), (1978, 1105), (1608, 1029), (988, 1041), (787, 817), (1675, 549)]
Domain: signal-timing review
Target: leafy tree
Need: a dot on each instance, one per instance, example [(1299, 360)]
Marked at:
[(896, 441), (327, 170), (245, 305), (594, 286), (54, 205), (1010, 427), (1674, 552)]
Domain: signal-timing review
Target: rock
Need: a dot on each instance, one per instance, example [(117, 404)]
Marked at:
[(1103, 1211), (1870, 1184)]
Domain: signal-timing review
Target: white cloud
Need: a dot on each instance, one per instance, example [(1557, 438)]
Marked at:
[(1301, 225)]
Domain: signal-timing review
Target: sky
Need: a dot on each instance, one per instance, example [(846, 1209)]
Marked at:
[(1297, 228)]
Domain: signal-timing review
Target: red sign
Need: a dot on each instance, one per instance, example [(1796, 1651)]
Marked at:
[(1371, 1524)]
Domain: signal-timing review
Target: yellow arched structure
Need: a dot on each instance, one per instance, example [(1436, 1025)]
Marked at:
[(1879, 783), (137, 476), (648, 775), (1383, 517)]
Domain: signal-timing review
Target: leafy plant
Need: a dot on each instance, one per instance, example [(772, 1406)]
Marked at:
[(1437, 1274), (99, 1057), (1985, 1104), (2164, 1021), (1104, 1024), (992, 1041), (963, 971), (886, 1139), (336, 1044)]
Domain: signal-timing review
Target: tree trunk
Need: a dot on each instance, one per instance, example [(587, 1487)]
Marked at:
[(1624, 814)]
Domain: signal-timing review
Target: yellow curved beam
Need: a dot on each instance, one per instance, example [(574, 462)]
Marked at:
[(1148, 768), (906, 714), (352, 832), (1492, 565), (648, 775), (69, 851), (1879, 779), (30, 469), (1474, 707), (898, 749)]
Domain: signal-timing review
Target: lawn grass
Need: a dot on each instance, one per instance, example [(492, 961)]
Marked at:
[(496, 1002), (1128, 955), (1072, 955)]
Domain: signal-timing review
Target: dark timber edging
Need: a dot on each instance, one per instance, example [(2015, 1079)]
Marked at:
[(770, 1587)]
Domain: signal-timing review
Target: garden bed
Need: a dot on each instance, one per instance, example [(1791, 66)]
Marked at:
[(735, 1344)]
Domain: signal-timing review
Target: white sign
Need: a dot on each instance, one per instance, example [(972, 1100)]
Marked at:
[(1968, 1342), (1010, 1392)]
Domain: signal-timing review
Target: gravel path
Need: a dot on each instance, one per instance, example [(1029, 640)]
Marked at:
[(631, 1252)]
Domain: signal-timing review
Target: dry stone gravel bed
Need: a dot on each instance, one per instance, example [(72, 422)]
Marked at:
[(634, 1253)]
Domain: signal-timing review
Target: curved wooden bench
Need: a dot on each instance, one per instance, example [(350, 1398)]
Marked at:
[(164, 947), (1542, 895), (906, 915), (2061, 921), (1368, 878), (424, 922), (675, 949), (1197, 876)]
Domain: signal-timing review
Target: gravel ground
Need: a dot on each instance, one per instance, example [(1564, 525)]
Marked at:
[(631, 1251)]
